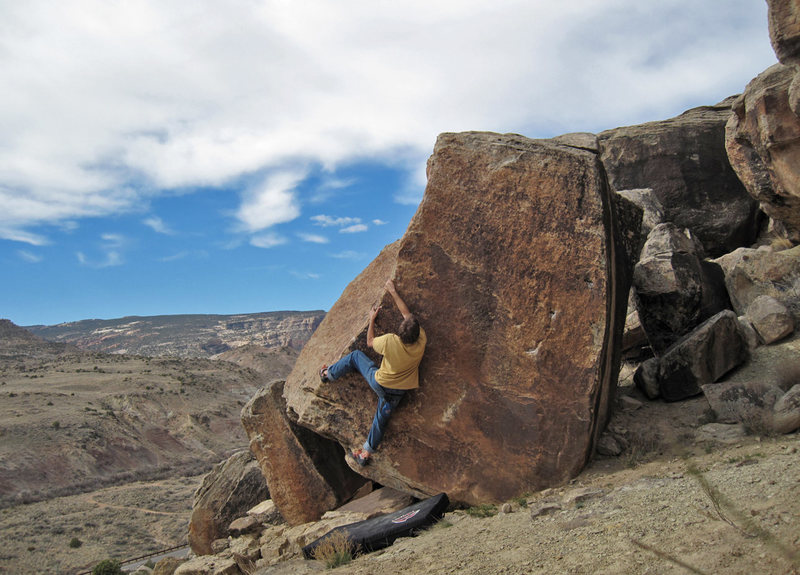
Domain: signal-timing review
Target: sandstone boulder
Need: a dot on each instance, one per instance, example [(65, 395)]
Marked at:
[(770, 318), (786, 416), (761, 138), (784, 29), (227, 492), (306, 472), (675, 290), (518, 267), (703, 356), (752, 273), (652, 210), (684, 161), (748, 402)]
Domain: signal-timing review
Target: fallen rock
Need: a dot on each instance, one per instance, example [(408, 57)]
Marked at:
[(752, 273), (770, 318), (761, 138), (748, 333), (674, 289), (243, 525), (652, 210), (786, 416), (209, 565), (721, 432), (266, 512), (704, 356), (750, 402), (545, 508), (646, 378), (167, 566), (227, 492), (684, 161), (306, 472), (516, 254)]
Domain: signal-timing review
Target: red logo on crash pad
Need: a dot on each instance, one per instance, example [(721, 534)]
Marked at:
[(406, 517)]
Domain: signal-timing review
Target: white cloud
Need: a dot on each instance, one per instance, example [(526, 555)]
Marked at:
[(268, 240), (157, 225), (313, 238), (305, 275), (379, 222), (328, 221), (349, 255), (111, 258), (354, 229), (106, 104), (272, 202), (29, 256)]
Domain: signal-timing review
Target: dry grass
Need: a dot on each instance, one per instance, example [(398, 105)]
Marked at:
[(337, 549)]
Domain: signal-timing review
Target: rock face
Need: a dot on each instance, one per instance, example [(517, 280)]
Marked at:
[(762, 142), (516, 267), (231, 488), (683, 160), (675, 290), (305, 472)]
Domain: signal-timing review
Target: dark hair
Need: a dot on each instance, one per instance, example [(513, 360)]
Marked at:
[(409, 330)]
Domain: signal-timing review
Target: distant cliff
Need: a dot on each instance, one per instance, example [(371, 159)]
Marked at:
[(185, 335)]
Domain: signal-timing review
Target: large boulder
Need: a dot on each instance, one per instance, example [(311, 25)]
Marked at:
[(763, 143), (751, 273), (305, 472), (517, 267), (227, 492), (675, 289), (683, 160)]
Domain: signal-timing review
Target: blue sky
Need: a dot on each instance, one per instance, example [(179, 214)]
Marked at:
[(245, 156)]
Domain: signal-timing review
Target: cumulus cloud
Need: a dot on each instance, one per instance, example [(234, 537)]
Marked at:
[(157, 225), (272, 202), (106, 104)]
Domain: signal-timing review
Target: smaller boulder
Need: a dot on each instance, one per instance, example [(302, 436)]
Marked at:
[(652, 210), (748, 332), (748, 402), (646, 378), (704, 356), (770, 318), (209, 564), (243, 525), (786, 416)]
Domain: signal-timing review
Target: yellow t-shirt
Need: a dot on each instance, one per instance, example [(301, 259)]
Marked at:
[(398, 368)]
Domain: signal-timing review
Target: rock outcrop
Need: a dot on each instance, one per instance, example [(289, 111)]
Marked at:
[(762, 142), (305, 472), (683, 160), (517, 267), (227, 492)]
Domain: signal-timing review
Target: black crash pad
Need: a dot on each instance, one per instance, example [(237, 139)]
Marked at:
[(380, 532)]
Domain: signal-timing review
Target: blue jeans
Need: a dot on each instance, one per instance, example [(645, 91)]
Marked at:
[(388, 399)]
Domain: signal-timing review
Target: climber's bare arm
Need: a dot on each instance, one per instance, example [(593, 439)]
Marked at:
[(401, 305)]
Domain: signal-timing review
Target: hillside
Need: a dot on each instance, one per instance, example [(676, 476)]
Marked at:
[(72, 420), (185, 335)]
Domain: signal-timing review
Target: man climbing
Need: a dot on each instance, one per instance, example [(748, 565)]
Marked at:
[(398, 372)]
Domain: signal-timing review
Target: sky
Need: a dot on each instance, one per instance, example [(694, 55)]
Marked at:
[(243, 156)]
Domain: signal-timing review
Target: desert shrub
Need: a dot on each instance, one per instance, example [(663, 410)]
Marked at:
[(74, 543), (335, 550), (482, 510), (108, 567)]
